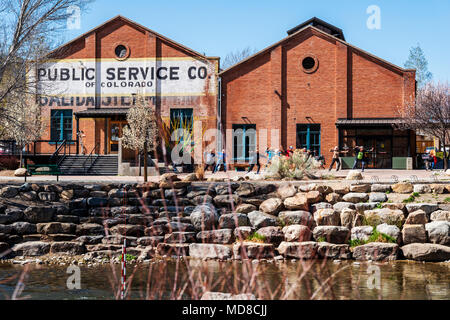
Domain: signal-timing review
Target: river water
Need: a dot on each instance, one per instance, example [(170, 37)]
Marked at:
[(188, 279)]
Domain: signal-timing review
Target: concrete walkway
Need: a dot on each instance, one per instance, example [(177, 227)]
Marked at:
[(370, 175)]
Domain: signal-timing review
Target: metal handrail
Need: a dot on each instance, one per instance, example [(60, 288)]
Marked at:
[(58, 149), (90, 157)]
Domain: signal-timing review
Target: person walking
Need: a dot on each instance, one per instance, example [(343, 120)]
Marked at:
[(335, 159), (221, 161), (254, 161), (270, 154)]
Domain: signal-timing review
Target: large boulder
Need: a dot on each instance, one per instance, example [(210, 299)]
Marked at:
[(426, 252), (253, 250), (222, 236), (332, 234), (36, 214), (313, 196), (90, 229), (354, 175), (385, 215), (242, 233), (227, 200), (245, 208), (355, 197), (297, 202), (9, 191), (128, 230), (260, 219), (297, 217), (438, 232), (56, 227), (360, 188), (426, 207), (403, 187), (417, 217), (328, 250), (180, 237), (414, 233), (21, 172), (376, 251), (361, 233), (327, 217), (22, 228), (380, 187), (11, 215), (68, 248), (347, 216), (210, 251), (422, 188), (271, 234), (299, 250), (204, 217), (390, 230), (377, 197), (172, 249), (297, 233), (286, 191), (339, 206), (245, 189), (440, 215), (31, 248), (272, 206), (233, 220)]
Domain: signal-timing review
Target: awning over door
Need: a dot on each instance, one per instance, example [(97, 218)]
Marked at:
[(367, 122)]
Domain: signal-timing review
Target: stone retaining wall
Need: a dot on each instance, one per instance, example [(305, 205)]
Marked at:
[(226, 220)]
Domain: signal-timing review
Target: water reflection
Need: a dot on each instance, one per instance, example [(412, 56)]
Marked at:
[(188, 279)]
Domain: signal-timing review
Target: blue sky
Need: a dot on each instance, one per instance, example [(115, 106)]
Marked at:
[(217, 27)]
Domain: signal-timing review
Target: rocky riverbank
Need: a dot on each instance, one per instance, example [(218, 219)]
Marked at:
[(88, 224)]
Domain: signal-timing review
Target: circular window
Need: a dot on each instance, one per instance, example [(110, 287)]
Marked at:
[(121, 51), (310, 64)]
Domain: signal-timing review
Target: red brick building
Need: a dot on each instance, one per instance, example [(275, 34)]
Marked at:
[(88, 85), (319, 91)]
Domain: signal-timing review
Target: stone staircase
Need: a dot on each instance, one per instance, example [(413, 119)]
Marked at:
[(101, 165)]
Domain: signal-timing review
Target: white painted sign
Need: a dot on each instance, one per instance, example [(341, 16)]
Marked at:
[(108, 77)]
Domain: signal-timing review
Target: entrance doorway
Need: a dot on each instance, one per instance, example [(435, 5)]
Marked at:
[(115, 132)]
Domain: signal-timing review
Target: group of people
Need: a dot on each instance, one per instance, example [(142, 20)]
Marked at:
[(430, 159), (361, 157), (216, 162)]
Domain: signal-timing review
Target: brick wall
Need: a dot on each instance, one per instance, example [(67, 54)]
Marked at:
[(272, 91)]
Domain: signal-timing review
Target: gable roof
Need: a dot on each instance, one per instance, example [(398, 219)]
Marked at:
[(137, 26), (319, 24), (312, 28)]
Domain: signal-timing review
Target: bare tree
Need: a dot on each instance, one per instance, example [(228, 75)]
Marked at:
[(27, 125), (416, 60), (430, 114), (237, 56), (28, 31), (141, 134)]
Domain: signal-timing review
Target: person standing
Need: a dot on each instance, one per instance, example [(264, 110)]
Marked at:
[(81, 136), (336, 159), (254, 161), (209, 160), (433, 158), (361, 156)]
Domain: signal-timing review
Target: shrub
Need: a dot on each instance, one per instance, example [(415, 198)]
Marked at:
[(374, 237), (297, 166), (128, 257), (9, 163), (200, 172)]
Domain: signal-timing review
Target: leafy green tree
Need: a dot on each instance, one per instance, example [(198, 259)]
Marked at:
[(417, 60)]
